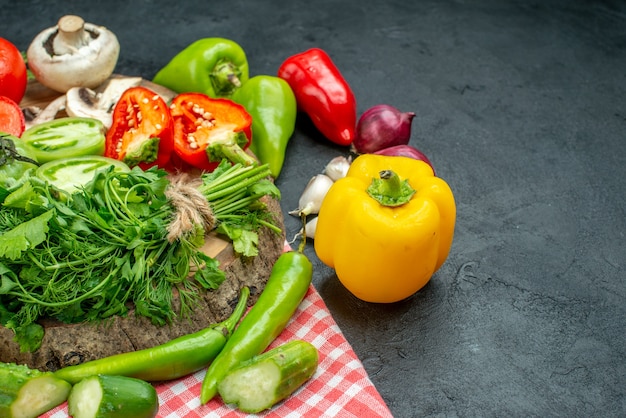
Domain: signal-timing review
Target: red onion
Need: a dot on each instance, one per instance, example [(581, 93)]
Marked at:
[(406, 151), (382, 126)]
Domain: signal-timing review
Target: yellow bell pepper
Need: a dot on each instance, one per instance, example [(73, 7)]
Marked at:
[(385, 252)]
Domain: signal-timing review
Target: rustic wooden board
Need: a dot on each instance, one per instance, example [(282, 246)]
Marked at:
[(69, 344)]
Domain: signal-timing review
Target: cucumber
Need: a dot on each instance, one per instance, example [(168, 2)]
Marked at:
[(104, 396), (264, 380), (28, 393)]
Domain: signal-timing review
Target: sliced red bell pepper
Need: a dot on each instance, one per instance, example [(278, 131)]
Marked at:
[(322, 93), (142, 131), (11, 117), (207, 130)]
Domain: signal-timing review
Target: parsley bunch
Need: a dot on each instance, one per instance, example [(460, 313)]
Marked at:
[(105, 248)]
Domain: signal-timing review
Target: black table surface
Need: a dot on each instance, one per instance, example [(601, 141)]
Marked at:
[(521, 106)]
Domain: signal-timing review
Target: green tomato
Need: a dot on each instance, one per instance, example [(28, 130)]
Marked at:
[(70, 174), (65, 138), (12, 170)]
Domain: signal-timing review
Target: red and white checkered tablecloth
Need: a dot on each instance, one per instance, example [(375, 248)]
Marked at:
[(339, 388)]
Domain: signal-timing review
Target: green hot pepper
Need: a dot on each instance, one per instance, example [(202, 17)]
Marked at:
[(286, 287), (216, 67), (172, 360), (272, 105)]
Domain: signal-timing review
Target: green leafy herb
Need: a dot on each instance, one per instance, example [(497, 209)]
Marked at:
[(24, 236), (244, 241), (29, 337), (29, 73), (108, 247)]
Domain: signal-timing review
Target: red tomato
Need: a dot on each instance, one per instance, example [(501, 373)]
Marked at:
[(12, 72), (11, 117)]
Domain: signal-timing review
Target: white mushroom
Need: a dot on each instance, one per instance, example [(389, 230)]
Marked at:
[(47, 114), (73, 53), (88, 103)]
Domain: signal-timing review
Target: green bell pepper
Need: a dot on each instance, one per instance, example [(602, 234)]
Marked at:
[(272, 105), (216, 67)]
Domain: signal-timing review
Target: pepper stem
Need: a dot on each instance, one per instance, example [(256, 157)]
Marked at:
[(231, 152), (225, 78), (389, 190), (228, 325), (303, 241), (230, 147)]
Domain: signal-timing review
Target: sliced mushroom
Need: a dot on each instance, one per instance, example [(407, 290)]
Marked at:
[(111, 92), (30, 113), (48, 113), (85, 102), (73, 53)]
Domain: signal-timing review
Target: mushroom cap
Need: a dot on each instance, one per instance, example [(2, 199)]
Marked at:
[(88, 66)]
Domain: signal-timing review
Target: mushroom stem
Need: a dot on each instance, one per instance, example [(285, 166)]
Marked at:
[(71, 35)]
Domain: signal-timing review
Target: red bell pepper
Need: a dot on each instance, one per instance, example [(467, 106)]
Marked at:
[(322, 93), (11, 117), (207, 130), (141, 133)]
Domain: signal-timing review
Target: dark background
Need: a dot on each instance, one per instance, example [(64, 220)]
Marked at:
[(521, 106)]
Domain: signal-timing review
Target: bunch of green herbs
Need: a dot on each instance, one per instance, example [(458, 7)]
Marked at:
[(104, 249)]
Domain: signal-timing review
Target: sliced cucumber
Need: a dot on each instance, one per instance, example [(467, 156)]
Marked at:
[(28, 393), (105, 396), (261, 382), (70, 174)]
